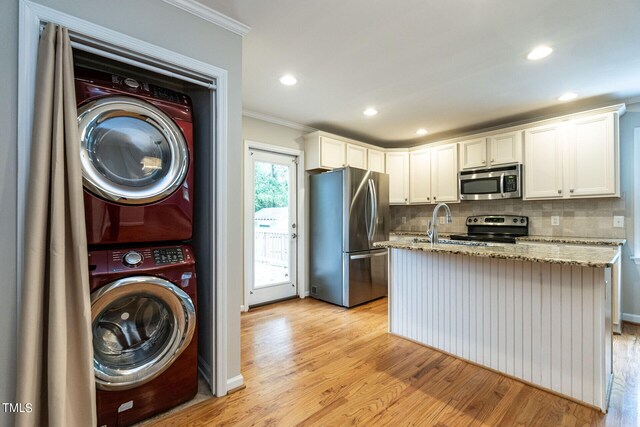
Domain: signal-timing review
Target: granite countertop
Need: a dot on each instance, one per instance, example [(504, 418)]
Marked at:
[(592, 241), (553, 254)]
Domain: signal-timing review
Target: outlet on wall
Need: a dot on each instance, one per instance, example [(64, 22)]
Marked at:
[(555, 220), (404, 219), (441, 220), (618, 221)]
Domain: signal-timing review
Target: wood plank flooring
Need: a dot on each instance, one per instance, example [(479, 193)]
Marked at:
[(309, 363)]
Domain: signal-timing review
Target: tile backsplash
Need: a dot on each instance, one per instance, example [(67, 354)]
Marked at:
[(578, 218)]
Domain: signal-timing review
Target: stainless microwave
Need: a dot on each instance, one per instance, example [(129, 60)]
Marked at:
[(488, 184)]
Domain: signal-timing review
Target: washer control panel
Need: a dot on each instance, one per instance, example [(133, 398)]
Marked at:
[(132, 259), (168, 256)]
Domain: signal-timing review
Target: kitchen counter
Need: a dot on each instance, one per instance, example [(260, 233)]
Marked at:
[(587, 241), (553, 254), (537, 312)]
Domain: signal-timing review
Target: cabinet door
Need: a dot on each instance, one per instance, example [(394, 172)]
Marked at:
[(505, 148), (356, 156), (543, 162), (375, 160), (444, 173), (419, 177), (473, 153), (332, 153), (398, 170), (592, 162)]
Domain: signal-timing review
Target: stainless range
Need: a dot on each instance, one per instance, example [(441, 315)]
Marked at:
[(494, 228)]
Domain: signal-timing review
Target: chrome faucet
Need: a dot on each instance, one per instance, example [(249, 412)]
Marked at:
[(432, 227)]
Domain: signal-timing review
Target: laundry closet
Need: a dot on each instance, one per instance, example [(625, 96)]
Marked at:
[(148, 160)]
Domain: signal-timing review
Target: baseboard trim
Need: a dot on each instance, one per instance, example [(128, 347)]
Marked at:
[(631, 318), (304, 294), (234, 383)]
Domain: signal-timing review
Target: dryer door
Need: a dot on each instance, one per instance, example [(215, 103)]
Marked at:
[(131, 152), (140, 325)]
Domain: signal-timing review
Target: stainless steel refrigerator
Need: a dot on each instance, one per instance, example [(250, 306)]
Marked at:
[(349, 211)]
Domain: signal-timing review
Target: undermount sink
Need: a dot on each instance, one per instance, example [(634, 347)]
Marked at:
[(451, 242)]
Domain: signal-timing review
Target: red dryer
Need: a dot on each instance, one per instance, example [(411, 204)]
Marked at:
[(136, 146)]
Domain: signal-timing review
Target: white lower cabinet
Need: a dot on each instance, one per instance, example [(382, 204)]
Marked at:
[(420, 176), (397, 166), (444, 173)]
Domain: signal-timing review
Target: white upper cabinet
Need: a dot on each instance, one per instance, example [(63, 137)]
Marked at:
[(592, 156), (420, 176), (573, 158), (473, 153), (332, 153), (397, 163), (543, 157), (444, 173), (356, 156), (375, 160), (505, 148)]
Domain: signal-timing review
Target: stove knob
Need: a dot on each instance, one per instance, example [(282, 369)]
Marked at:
[(475, 219), (132, 259), (522, 220), (515, 219)]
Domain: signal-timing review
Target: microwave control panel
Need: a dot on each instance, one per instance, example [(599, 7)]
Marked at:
[(510, 183)]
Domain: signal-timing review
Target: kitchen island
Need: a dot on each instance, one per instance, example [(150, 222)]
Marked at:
[(538, 313)]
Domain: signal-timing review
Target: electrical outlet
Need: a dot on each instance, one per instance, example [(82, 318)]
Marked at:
[(618, 221), (404, 219), (441, 220), (555, 220)]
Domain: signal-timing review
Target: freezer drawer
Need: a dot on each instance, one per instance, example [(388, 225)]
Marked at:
[(366, 276)]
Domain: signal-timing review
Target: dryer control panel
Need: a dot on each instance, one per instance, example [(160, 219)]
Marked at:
[(168, 256)]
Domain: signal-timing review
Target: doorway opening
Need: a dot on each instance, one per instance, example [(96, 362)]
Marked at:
[(271, 226)]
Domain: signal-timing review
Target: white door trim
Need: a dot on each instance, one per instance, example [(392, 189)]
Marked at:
[(302, 230), (30, 16)]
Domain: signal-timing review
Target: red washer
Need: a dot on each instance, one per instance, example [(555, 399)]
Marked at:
[(136, 146), (143, 322)]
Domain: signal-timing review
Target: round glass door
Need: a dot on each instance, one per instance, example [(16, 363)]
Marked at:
[(131, 152), (140, 326)]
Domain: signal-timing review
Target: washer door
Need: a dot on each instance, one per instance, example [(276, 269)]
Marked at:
[(131, 152), (140, 326)]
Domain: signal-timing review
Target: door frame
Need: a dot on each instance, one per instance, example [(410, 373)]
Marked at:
[(301, 274), (31, 15)]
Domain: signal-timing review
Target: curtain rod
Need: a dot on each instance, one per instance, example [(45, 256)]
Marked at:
[(100, 48)]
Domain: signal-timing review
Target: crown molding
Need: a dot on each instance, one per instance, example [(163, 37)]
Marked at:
[(277, 121), (205, 12)]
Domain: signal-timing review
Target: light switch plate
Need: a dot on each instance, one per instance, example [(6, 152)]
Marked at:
[(555, 220), (618, 221)]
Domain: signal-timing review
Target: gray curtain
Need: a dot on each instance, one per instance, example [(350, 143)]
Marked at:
[(55, 353)]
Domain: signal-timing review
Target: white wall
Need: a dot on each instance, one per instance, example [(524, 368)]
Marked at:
[(163, 25), (269, 133)]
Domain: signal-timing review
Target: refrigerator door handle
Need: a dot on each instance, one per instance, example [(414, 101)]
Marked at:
[(371, 232), (374, 216), (369, 255)]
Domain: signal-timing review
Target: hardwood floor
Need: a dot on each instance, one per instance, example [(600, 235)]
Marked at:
[(306, 362)]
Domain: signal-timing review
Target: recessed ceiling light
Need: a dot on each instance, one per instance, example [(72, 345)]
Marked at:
[(370, 111), (567, 96), (288, 80), (539, 53), (422, 131)]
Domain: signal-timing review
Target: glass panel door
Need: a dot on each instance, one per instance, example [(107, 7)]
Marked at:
[(272, 216)]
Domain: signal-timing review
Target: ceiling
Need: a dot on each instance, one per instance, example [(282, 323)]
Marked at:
[(449, 66)]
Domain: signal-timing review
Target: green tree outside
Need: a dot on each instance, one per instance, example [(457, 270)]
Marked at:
[(271, 186)]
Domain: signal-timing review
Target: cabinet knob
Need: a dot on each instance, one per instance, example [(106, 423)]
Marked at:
[(559, 191), (484, 161), (434, 197), (571, 191)]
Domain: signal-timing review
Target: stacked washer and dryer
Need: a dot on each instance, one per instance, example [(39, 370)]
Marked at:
[(136, 147)]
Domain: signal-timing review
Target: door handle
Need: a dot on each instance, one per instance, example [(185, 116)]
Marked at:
[(294, 235), (370, 255)]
